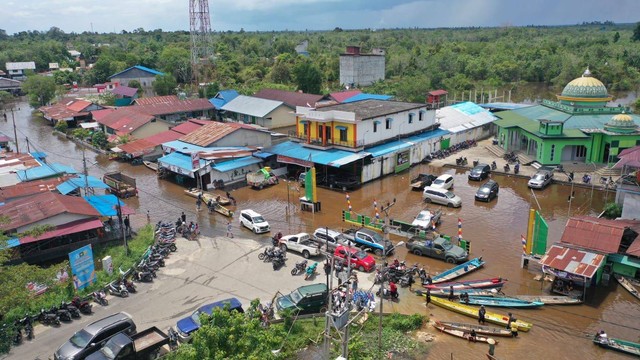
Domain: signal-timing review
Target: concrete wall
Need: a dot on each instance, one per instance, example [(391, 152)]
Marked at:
[(233, 176), (361, 70), (399, 125)]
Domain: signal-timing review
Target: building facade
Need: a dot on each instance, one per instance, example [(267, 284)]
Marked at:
[(143, 75), (357, 69)]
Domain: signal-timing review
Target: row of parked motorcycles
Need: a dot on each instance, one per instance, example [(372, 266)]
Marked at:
[(274, 255), (144, 271), (441, 154), (301, 267)]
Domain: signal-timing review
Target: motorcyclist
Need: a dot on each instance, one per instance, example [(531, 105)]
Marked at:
[(516, 168), (276, 239), (393, 289)]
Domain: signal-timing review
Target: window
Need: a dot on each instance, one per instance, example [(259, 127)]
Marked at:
[(553, 150), (615, 144), (410, 118), (388, 123), (375, 126), (305, 129), (343, 134), (421, 115), (581, 151)]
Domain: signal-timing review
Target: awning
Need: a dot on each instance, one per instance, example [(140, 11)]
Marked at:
[(295, 153), (116, 149), (80, 182), (262, 154), (66, 229), (389, 147), (303, 121), (106, 205), (565, 261), (89, 125), (349, 159), (341, 127), (229, 165)]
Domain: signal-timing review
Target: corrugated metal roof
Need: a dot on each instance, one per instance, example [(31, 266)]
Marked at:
[(540, 112), (365, 96), (189, 126), (511, 119), (182, 161), (340, 96), (252, 106), (182, 147), (427, 135), (504, 106), (31, 65), (463, 116), (100, 114), (107, 205), (182, 106), (438, 92), (291, 98), (79, 182), (594, 234), (157, 100), (369, 109), (79, 105), (574, 261), (30, 188), (123, 115), (389, 147), (73, 227), (236, 163), (634, 248), (12, 162), (130, 123), (44, 171), (297, 151), (124, 91), (139, 67), (210, 133)]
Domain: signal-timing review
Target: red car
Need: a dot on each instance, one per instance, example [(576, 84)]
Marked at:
[(359, 259)]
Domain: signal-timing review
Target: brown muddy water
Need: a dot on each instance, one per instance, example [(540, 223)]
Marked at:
[(494, 230)]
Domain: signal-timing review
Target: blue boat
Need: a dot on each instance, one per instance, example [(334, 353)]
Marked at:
[(456, 293), (500, 302), (456, 272)]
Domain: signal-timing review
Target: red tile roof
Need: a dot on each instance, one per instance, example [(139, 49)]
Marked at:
[(291, 98), (574, 261), (596, 234), (341, 96), (42, 206), (157, 100), (174, 107), (31, 187)]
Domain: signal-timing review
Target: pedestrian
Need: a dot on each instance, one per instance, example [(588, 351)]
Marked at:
[(229, 233), (514, 329), (183, 217), (451, 295), (231, 198), (127, 225), (198, 204), (428, 297), (148, 217), (354, 282), (510, 320), (481, 313)]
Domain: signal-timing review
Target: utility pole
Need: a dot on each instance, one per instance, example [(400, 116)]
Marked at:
[(28, 147), (85, 172), (384, 278), (15, 131)]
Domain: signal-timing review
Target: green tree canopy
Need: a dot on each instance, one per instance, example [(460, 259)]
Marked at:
[(136, 84), (165, 85), (99, 139), (308, 77), (41, 90)]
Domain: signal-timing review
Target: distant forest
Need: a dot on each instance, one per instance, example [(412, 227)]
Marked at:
[(417, 60)]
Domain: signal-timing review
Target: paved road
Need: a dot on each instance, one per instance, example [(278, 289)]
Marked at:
[(199, 272)]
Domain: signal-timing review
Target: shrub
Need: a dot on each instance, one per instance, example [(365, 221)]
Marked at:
[(61, 126)]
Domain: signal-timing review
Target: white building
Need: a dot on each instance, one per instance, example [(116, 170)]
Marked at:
[(465, 121)]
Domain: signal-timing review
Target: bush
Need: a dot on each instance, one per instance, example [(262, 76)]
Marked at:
[(612, 211), (61, 126)]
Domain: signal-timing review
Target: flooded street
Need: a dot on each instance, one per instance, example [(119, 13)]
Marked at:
[(494, 230)]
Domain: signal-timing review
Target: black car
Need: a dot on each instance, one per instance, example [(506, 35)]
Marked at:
[(342, 183), (480, 172), (488, 191)]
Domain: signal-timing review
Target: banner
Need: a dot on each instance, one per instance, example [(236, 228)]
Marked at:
[(82, 268), (195, 161)]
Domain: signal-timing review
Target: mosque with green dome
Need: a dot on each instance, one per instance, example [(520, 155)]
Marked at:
[(578, 127)]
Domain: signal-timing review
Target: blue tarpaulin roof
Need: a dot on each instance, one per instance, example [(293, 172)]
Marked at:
[(179, 160), (297, 151), (39, 155), (262, 154), (44, 171), (79, 182), (236, 163), (365, 96), (13, 242), (223, 97), (106, 204)]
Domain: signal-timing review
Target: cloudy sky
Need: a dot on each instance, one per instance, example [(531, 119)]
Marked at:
[(265, 15)]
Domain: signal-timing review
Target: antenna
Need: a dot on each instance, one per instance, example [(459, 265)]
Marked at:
[(200, 29)]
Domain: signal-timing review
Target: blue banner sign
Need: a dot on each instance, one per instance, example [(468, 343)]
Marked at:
[(82, 267)]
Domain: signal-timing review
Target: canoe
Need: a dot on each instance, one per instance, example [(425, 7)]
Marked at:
[(206, 196), (461, 333), (456, 293), (151, 165), (473, 312), (457, 271), (549, 299), (627, 285), (491, 357), (220, 209), (470, 284), (480, 329), (624, 346), (502, 302)]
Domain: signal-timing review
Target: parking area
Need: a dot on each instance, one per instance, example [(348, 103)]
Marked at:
[(199, 272)]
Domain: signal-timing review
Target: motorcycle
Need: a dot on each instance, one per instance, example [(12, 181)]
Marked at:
[(83, 305), (156, 257), (494, 165), (142, 276), (461, 161), (516, 168), (75, 313), (387, 294), (268, 254), (278, 261), (117, 288), (300, 267), (48, 318), (507, 168), (311, 271), (586, 179), (63, 314), (100, 297), (173, 339), (27, 323)]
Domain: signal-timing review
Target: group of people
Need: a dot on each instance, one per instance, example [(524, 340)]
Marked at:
[(189, 231), (210, 204)]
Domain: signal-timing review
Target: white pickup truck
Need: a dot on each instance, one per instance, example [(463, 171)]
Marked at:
[(301, 243)]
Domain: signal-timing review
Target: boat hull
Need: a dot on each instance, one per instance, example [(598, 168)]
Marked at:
[(473, 312), (456, 293), (472, 284), (550, 299), (502, 302), (628, 286), (206, 196), (461, 333), (458, 271), (623, 346), (479, 329)]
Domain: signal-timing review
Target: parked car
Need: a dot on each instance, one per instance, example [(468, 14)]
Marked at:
[(301, 243), (342, 183), (93, 336), (441, 196), (359, 258), (540, 179), (185, 327), (301, 178), (427, 219), (331, 238), (144, 345), (422, 181), (439, 248), (370, 240), (480, 172), (254, 221), (443, 182), (307, 299), (488, 191)]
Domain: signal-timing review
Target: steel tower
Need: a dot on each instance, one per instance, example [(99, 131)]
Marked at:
[(200, 29)]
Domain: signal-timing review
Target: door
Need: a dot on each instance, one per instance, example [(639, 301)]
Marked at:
[(438, 251)]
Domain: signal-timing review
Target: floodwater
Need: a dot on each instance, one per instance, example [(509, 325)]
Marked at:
[(494, 230)]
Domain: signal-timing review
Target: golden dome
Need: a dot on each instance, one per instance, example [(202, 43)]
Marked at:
[(585, 86), (622, 118), (621, 123)]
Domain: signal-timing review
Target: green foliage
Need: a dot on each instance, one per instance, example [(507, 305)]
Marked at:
[(61, 126), (636, 33), (308, 77), (40, 89), (136, 84), (81, 133), (99, 139), (165, 85), (612, 210), (5, 99)]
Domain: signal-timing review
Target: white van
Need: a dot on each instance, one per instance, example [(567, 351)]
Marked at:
[(441, 196), (254, 221)]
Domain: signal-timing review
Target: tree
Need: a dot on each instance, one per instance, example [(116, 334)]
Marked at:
[(41, 90), (136, 84), (308, 77), (616, 37), (636, 33), (99, 139), (165, 85), (5, 99), (177, 61)]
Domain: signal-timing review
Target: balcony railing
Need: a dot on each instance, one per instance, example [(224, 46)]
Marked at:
[(317, 142)]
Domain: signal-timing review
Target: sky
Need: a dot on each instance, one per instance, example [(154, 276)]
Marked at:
[(274, 15)]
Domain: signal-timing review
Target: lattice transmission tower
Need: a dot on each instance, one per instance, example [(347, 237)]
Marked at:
[(201, 44)]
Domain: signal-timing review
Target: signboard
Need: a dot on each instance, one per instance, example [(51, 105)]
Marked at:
[(82, 268), (195, 160), (402, 161)]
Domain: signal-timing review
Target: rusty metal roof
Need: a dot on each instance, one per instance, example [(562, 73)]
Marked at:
[(157, 100), (210, 133), (574, 261), (634, 249), (190, 126), (181, 106), (596, 234), (31, 187)]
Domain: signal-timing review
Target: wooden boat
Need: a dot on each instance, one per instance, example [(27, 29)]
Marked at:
[(501, 302), (473, 312), (206, 196), (491, 357), (457, 271), (456, 293), (219, 209), (470, 284), (151, 165), (461, 333), (549, 299), (628, 285), (624, 346), (480, 329)]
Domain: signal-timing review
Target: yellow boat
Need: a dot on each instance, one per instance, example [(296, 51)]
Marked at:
[(473, 312), (207, 195)]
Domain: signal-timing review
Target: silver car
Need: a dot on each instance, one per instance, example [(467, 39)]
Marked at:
[(441, 196), (540, 179)]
